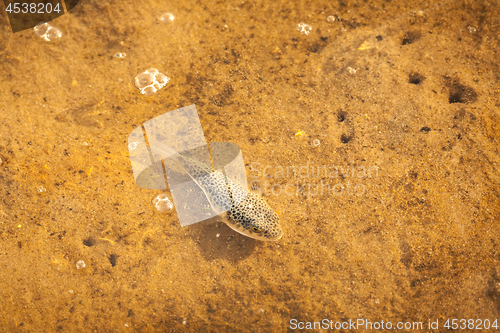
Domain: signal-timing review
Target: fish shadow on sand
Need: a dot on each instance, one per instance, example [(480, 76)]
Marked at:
[(218, 241)]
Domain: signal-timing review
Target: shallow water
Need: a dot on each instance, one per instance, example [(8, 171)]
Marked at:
[(394, 216)]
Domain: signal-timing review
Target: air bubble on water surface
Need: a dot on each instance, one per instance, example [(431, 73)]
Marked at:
[(304, 29), (150, 81), (80, 264), (132, 146), (163, 204), (316, 142), (472, 29), (330, 19), (47, 31), (120, 55), (165, 18)]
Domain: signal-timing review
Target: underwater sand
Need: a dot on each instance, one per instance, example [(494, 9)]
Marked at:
[(403, 226)]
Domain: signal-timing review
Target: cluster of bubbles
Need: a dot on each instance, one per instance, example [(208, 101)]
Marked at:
[(165, 18), (304, 29), (150, 81), (47, 32), (132, 146), (80, 264), (163, 204)]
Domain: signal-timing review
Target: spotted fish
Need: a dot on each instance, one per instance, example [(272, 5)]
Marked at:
[(246, 212)]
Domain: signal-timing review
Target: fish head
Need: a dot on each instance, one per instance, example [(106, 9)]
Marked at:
[(254, 218)]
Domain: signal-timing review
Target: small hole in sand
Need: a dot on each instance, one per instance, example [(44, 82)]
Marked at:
[(345, 138), (461, 94), (341, 116), (112, 259), (89, 242), (410, 37), (416, 78)]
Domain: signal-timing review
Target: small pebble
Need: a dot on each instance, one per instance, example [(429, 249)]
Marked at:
[(304, 29), (80, 264), (165, 18), (47, 31), (150, 81), (163, 204)]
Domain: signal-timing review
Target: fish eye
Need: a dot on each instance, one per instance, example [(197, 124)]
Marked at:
[(256, 229)]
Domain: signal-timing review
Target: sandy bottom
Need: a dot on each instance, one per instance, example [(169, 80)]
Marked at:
[(374, 134)]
